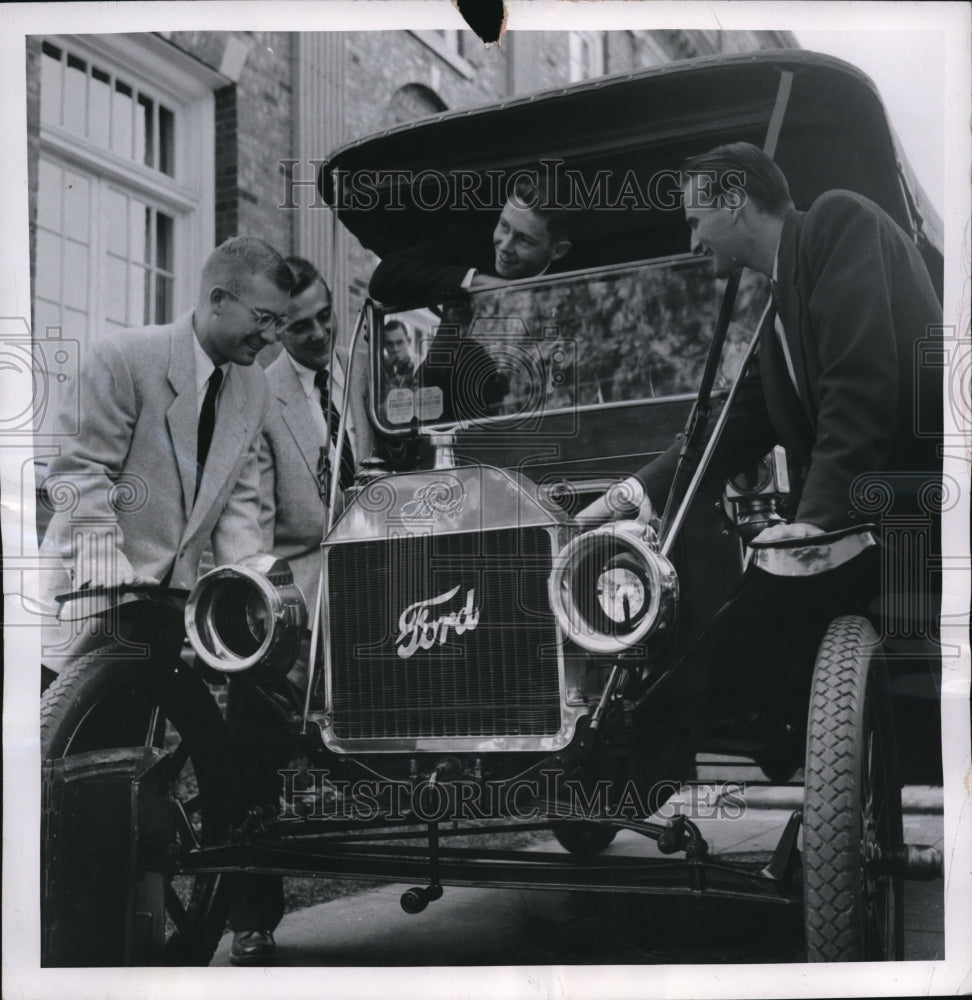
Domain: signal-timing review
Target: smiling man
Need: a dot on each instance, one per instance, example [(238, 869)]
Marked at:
[(165, 459), (298, 447), (531, 237)]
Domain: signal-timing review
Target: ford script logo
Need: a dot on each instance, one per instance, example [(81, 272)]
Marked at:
[(416, 630), (443, 496)]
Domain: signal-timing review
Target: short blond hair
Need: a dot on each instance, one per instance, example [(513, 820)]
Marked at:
[(239, 257)]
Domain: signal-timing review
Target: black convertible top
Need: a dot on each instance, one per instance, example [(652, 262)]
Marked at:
[(606, 140)]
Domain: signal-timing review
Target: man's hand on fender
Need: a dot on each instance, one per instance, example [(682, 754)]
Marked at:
[(623, 500), (780, 532), (114, 571)]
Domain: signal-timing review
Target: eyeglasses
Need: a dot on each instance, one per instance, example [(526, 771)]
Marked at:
[(264, 320)]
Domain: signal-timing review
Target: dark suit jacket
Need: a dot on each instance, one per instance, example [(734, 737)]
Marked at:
[(432, 271), (855, 298)]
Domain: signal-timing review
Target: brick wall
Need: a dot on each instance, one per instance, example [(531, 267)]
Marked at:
[(379, 63), (226, 157), (253, 132)]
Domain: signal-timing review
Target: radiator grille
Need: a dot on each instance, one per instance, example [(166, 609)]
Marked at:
[(498, 678)]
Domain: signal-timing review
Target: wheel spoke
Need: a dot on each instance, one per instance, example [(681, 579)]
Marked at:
[(209, 895), (178, 758), (152, 733), (192, 804), (185, 827), (177, 912)]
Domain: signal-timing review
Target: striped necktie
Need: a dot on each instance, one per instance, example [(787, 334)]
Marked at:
[(331, 422)]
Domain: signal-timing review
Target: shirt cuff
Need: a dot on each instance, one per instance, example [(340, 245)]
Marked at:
[(466, 282)]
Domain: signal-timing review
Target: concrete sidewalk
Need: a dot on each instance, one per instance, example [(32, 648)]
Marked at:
[(914, 798), (489, 926)]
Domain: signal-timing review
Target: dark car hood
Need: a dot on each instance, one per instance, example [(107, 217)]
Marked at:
[(401, 186)]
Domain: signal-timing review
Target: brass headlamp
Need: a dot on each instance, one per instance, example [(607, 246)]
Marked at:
[(247, 616), (611, 589)]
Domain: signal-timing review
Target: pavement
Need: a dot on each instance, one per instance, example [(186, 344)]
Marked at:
[(489, 926)]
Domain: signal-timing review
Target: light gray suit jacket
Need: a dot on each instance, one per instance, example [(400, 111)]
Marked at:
[(128, 477), (292, 513)]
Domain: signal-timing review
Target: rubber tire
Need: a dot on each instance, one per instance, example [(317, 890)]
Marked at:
[(583, 838), (852, 800), (91, 706)]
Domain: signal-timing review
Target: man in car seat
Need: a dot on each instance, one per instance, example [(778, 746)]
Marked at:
[(531, 237)]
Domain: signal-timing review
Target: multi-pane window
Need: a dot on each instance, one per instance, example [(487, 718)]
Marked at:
[(138, 261), (62, 286), (106, 109), (124, 186), (134, 283)]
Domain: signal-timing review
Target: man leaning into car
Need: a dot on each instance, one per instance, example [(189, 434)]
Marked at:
[(836, 379), (531, 237)]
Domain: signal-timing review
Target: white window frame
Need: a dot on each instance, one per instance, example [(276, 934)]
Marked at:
[(186, 86)]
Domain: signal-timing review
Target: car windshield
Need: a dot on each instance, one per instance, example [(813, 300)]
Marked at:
[(587, 339)]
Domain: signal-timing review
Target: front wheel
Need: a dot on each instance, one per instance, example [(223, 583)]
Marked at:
[(852, 804), (105, 701)]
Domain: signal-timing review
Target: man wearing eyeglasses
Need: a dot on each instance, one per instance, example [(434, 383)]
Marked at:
[(165, 458)]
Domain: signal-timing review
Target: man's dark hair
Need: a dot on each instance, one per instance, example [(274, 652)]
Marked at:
[(305, 274), (741, 166), (535, 195)]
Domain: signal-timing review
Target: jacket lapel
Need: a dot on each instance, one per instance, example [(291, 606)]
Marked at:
[(181, 418), (791, 312), (228, 439), (293, 406)]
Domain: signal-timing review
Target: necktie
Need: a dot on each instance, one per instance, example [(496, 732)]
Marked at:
[(331, 422), (207, 421)]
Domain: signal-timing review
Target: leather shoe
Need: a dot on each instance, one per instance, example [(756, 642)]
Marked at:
[(253, 948)]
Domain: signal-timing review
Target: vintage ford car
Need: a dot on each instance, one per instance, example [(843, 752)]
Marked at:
[(478, 662)]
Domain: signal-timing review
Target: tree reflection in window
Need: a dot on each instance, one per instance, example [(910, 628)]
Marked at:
[(615, 336), (639, 333)]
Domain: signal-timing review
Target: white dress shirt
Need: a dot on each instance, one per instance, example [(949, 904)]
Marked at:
[(205, 368)]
